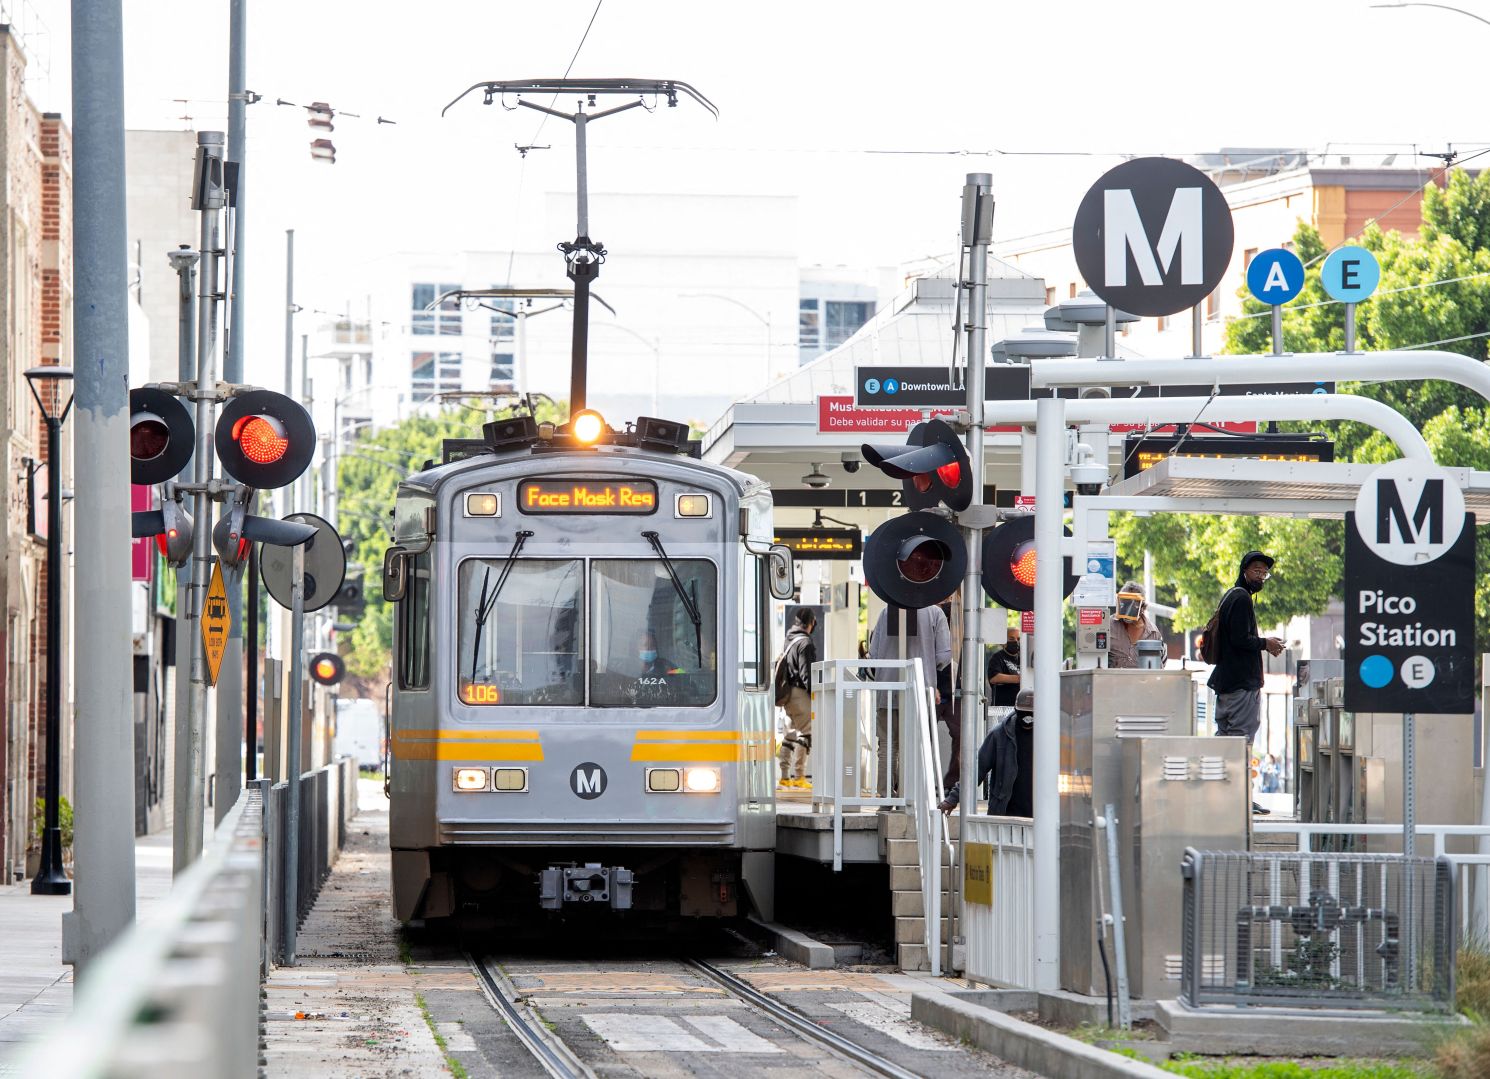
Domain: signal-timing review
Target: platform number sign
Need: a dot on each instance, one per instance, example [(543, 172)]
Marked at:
[(1409, 593), (1153, 236)]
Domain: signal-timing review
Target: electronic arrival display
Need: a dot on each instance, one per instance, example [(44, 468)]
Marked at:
[(822, 543), (587, 496)]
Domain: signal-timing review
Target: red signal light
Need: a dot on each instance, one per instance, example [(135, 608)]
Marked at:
[(1022, 564), (325, 669), (261, 438), (950, 473), (148, 439)]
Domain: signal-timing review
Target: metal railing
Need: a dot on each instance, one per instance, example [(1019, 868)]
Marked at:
[(998, 934), (178, 995), (1283, 929), (1472, 879), (872, 725)]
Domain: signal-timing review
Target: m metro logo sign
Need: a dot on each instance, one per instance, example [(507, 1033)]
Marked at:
[(1153, 236), (1409, 512), (1409, 593)]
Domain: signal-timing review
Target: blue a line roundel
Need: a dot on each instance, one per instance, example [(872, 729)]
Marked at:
[(1275, 276), (1350, 274), (1376, 671)]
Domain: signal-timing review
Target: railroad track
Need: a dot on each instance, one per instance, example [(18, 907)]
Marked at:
[(562, 1062)]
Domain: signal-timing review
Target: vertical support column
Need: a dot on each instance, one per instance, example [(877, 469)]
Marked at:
[(294, 708), (1197, 322), (184, 260), (227, 770), (104, 880), (1277, 330), (977, 228), (1050, 437), (191, 757), (1350, 327), (232, 370)]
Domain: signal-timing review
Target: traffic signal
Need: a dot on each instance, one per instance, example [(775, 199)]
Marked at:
[(161, 434), (171, 526), (265, 439), (350, 602), (1009, 565), (932, 465), (915, 561), (327, 668)]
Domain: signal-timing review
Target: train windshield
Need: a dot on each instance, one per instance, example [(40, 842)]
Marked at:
[(522, 633), (648, 648)]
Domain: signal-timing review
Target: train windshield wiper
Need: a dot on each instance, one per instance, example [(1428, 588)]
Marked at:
[(485, 604), (688, 603)]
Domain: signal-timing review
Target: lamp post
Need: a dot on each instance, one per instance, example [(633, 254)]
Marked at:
[(52, 879), (655, 344), (764, 320)]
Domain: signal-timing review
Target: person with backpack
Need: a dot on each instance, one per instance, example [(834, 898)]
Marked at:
[(1232, 643), (792, 684)]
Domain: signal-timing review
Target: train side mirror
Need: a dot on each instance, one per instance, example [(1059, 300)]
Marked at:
[(395, 573), (779, 574)]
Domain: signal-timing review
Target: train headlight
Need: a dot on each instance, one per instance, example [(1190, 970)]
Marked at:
[(586, 426), (692, 506), (483, 504), (701, 780), (664, 780), (470, 779)]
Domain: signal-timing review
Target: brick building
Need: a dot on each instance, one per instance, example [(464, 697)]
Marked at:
[(35, 315)]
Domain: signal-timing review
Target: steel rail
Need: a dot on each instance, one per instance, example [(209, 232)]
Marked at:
[(799, 1024), (538, 1044)]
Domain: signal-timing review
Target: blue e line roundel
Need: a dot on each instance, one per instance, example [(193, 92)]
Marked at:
[(1350, 274), (1275, 276), (871, 385)]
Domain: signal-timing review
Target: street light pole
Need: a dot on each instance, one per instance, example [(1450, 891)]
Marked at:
[(52, 878), (764, 320), (655, 344)]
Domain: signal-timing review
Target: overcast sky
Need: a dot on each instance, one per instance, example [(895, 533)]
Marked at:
[(869, 112)]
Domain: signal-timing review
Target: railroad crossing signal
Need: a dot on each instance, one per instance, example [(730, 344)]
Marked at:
[(160, 436), (1009, 565), (327, 668), (264, 439), (932, 467)]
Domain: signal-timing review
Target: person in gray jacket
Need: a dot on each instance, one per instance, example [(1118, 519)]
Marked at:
[(1006, 763)]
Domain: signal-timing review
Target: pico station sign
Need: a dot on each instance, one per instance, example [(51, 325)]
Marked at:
[(1409, 593)]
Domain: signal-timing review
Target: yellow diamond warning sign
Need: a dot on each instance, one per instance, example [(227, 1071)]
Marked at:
[(215, 624)]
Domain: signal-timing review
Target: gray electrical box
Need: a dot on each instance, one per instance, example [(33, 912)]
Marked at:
[(1099, 709), (1187, 792)]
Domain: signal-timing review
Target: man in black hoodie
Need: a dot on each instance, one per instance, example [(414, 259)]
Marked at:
[(1237, 679), (798, 657)]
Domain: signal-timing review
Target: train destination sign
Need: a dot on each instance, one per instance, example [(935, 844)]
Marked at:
[(1409, 593), (587, 496), (831, 544), (1141, 452)]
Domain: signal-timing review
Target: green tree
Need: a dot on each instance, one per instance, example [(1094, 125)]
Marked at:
[(368, 475), (1433, 289)]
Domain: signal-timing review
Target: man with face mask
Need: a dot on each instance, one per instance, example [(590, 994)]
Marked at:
[(1237, 678), (1003, 671), (654, 665)]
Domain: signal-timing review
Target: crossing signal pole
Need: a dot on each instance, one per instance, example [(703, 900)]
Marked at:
[(263, 440)]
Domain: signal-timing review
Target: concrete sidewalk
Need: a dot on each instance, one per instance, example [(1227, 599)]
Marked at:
[(353, 1004), (35, 986)]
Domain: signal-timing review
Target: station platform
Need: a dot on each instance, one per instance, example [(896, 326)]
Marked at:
[(35, 985)]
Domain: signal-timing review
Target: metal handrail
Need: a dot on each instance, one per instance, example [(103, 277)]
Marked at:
[(178, 994), (839, 689)]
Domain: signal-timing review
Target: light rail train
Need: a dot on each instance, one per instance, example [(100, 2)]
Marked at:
[(581, 712)]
